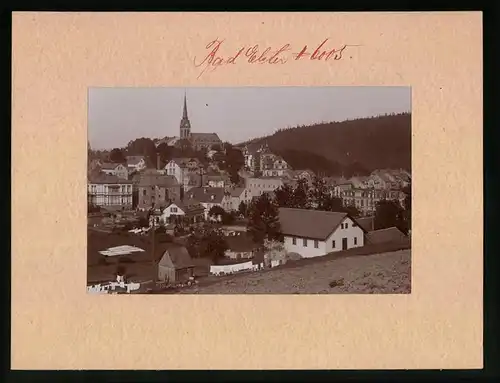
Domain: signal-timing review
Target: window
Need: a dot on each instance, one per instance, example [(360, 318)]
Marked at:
[(316, 244), (355, 240), (294, 240), (304, 242), (144, 192), (173, 210), (333, 244)]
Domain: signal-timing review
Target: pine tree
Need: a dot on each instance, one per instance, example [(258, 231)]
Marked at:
[(318, 194), (263, 220), (283, 196), (300, 198)]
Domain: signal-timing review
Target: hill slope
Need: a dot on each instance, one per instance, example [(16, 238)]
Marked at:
[(353, 146)]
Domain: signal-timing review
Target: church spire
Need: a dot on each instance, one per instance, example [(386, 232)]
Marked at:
[(185, 127), (185, 111)]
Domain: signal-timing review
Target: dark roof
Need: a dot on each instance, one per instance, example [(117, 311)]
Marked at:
[(236, 192), (305, 223), (207, 137), (103, 178), (391, 234), (176, 256), (240, 243), (204, 194), (366, 223), (148, 179)]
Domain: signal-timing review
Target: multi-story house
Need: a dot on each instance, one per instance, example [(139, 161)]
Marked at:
[(366, 200), (257, 186), (114, 169), (109, 191), (156, 190), (209, 197), (274, 166), (183, 168), (239, 195)]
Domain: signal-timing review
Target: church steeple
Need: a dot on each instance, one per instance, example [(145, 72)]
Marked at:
[(185, 127), (185, 111)]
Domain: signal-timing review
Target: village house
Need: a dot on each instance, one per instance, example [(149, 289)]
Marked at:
[(114, 169), (216, 180), (273, 165), (176, 265), (239, 195), (178, 211), (156, 190), (136, 163), (258, 186), (365, 200), (210, 197), (109, 191), (182, 168), (313, 233), (305, 174)]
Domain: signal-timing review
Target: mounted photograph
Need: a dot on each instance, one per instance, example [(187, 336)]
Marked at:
[(249, 190)]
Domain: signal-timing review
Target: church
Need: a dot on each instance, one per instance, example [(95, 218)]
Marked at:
[(197, 140)]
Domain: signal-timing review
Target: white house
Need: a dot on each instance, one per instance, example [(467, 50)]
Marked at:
[(181, 168), (108, 190), (114, 169), (177, 210), (313, 233), (136, 163)]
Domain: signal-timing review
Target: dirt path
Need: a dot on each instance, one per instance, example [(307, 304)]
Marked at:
[(387, 273)]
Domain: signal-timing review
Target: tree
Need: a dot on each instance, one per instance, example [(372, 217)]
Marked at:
[(407, 209), (166, 153), (263, 222), (116, 155), (388, 213), (332, 203), (217, 212), (300, 198), (318, 194), (143, 147), (207, 242), (230, 160), (243, 208), (283, 196), (216, 147), (352, 210)]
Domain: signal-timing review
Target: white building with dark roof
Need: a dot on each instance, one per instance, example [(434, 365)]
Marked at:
[(313, 233)]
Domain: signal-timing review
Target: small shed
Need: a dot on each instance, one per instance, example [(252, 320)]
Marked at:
[(175, 265)]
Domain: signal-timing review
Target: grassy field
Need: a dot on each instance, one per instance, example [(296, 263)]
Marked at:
[(386, 273)]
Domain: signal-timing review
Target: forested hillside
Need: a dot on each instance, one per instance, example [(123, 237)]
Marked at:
[(348, 147)]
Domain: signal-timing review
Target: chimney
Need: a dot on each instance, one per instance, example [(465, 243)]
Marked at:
[(157, 161)]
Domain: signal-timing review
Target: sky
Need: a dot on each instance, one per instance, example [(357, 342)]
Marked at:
[(119, 115)]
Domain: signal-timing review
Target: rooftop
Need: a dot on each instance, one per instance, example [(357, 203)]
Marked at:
[(103, 178), (391, 234), (315, 224)]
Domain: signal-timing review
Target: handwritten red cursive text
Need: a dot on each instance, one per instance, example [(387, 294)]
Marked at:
[(257, 55)]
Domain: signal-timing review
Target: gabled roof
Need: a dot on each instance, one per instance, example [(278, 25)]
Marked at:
[(391, 234), (109, 165), (103, 178), (306, 223), (204, 194), (176, 256), (205, 137), (160, 180), (236, 192), (188, 206)]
